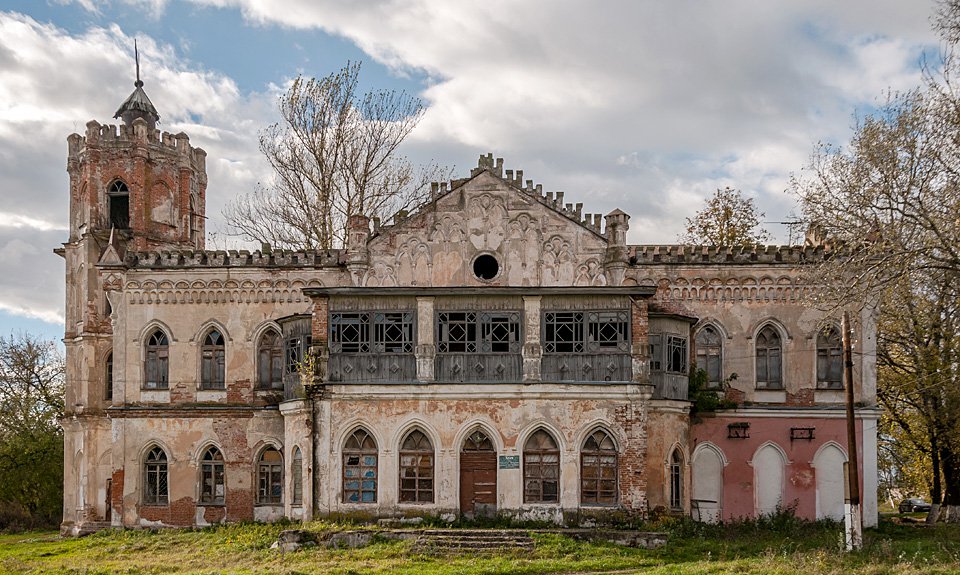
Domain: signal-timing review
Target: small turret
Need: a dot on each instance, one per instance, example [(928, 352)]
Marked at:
[(138, 105)]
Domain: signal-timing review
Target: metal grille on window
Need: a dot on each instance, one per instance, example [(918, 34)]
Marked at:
[(598, 470), (212, 360), (372, 346), (416, 469), (211, 477), (829, 360), (270, 477), (769, 359), (360, 468), (270, 361), (156, 363), (541, 469), (155, 478), (296, 471), (586, 346), (710, 355), (478, 346)]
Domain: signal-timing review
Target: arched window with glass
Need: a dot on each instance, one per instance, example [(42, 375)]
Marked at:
[(212, 357), (155, 478), (541, 468), (156, 361), (598, 469), (270, 360), (769, 355), (676, 480), (360, 468), (829, 359), (296, 473), (270, 477), (710, 355), (416, 468), (212, 487)]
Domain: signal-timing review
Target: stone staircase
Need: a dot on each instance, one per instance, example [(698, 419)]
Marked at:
[(449, 541)]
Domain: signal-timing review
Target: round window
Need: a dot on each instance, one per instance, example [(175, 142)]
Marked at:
[(486, 267)]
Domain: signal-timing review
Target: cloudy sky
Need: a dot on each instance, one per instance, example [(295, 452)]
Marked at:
[(644, 105)]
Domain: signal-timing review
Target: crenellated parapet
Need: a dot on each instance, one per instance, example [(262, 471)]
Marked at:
[(123, 137), (191, 259), (641, 255)]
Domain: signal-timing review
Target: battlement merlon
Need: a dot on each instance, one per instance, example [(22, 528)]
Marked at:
[(123, 137), (641, 255), (184, 259)]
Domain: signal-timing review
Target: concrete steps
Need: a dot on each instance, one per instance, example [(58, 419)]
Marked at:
[(442, 541)]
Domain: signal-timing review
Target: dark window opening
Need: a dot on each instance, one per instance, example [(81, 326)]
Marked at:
[(212, 491), (829, 360), (486, 332), (155, 478), (676, 354), (157, 361), (297, 348), (108, 390), (270, 474), (676, 481), (710, 355), (270, 361), (118, 197), (486, 267), (416, 469), (371, 332), (478, 441), (212, 361), (769, 359)]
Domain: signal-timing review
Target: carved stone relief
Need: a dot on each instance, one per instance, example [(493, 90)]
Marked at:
[(486, 215), (414, 263), (523, 250), (558, 264)]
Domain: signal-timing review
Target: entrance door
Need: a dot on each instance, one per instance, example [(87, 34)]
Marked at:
[(478, 476)]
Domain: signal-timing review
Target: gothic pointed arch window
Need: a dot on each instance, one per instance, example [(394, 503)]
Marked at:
[(212, 486), (598, 469), (270, 477), (710, 355), (118, 197), (270, 360), (541, 468), (829, 359), (156, 361), (212, 355), (769, 355), (108, 377), (676, 480), (155, 478), (416, 468), (360, 468)]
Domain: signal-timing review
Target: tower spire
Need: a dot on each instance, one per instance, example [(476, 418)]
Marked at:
[(136, 57), (138, 105)]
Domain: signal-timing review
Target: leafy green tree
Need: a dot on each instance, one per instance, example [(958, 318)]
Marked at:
[(31, 440), (728, 219)]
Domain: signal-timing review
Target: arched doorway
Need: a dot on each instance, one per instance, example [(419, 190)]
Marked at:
[(828, 466), (768, 473), (706, 499), (478, 475)]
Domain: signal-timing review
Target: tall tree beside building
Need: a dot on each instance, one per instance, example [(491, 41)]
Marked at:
[(335, 153), (728, 219), (31, 440), (889, 205)]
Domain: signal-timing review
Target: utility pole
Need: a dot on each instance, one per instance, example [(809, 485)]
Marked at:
[(853, 535)]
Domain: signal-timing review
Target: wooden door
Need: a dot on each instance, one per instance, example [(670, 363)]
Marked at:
[(478, 481)]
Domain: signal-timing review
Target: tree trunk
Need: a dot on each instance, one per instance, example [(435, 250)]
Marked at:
[(950, 510)]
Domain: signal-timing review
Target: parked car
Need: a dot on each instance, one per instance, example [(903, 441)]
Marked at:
[(913, 505)]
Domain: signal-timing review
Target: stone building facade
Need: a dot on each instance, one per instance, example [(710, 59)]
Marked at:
[(496, 351)]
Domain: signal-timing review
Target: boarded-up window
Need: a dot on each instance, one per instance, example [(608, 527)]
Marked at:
[(710, 355), (212, 361), (360, 468), (769, 356), (829, 360), (270, 361), (156, 362), (212, 488), (416, 468), (155, 478), (598, 470), (296, 471), (541, 469), (270, 477)]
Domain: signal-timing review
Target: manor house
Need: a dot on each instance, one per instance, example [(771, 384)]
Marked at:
[(498, 350)]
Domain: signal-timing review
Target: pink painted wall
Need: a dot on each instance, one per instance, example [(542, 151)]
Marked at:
[(799, 474)]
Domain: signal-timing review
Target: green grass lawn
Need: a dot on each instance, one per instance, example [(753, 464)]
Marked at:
[(766, 547)]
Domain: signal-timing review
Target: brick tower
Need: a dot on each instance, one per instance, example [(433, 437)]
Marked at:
[(131, 188)]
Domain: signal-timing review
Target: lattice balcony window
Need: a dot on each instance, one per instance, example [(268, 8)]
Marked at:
[(297, 348), (371, 332), (676, 354), (586, 332), (478, 332)]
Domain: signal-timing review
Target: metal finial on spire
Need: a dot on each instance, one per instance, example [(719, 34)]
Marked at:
[(136, 57)]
